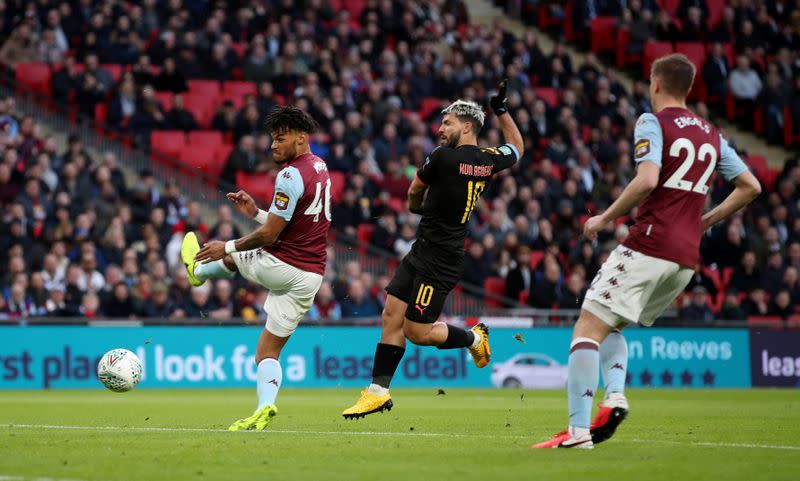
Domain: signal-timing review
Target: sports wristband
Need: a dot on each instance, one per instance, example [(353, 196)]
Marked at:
[(261, 217), (230, 247)]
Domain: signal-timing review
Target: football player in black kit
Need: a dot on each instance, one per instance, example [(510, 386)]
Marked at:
[(444, 192)]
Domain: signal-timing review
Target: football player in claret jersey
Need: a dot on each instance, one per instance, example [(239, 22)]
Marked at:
[(676, 153), (454, 176), (286, 254)]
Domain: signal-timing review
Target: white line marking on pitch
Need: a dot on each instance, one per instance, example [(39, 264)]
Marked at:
[(384, 433), (5, 477)]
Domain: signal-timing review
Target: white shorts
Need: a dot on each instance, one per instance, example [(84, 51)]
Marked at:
[(291, 290), (633, 287)]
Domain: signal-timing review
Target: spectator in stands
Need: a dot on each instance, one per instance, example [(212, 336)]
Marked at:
[(179, 118), (715, 71), (747, 276), (243, 159), (782, 305), (772, 275), (247, 123), (119, 305), (693, 28), (325, 307), (477, 265), (124, 105), (18, 48), (49, 50), (147, 119), (520, 277), (696, 306), (225, 118), (547, 290), (385, 233), (358, 303), (666, 30), (258, 66), (170, 79), (103, 76), (774, 97), (731, 309), (726, 29), (756, 303)]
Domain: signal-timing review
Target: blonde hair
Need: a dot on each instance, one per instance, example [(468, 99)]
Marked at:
[(466, 110)]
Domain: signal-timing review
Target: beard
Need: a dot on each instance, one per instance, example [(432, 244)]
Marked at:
[(451, 141)]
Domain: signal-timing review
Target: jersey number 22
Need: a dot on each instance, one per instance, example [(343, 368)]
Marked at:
[(707, 153)]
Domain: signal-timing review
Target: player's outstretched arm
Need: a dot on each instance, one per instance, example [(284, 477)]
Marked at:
[(640, 187), (747, 189), (511, 133), (266, 235)]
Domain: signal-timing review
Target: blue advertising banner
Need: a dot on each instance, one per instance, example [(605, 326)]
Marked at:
[(66, 357)]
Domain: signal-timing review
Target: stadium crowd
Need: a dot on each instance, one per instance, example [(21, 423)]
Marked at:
[(79, 238)]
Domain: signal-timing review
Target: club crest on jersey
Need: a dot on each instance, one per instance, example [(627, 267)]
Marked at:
[(281, 200), (642, 148), (320, 166)]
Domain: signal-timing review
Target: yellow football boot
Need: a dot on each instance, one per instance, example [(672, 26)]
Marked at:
[(257, 422), (189, 248), (368, 403), (482, 353)]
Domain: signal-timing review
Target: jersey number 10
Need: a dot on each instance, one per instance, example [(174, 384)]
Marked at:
[(319, 203), (707, 153), (474, 191)]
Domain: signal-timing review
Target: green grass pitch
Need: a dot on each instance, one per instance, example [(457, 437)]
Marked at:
[(462, 435)]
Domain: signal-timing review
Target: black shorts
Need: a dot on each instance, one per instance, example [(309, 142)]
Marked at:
[(424, 279)]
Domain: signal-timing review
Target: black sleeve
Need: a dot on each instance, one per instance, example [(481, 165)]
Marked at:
[(502, 157), (428, 173)]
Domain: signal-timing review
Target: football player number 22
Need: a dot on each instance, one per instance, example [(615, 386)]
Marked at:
[(707, 153), (320, 204), (474, 191)]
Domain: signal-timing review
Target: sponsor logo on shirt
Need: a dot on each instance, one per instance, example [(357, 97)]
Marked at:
[(320, 166), (281, 201), (642, 148), (286, 174)]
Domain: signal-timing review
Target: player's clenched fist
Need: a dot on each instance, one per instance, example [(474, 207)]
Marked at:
[(593, 225), (498, 101), (244, 203)]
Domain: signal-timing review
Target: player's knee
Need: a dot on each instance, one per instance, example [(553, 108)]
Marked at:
[(419, 335)]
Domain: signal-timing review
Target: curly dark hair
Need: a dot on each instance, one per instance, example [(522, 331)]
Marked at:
[(290, 118)]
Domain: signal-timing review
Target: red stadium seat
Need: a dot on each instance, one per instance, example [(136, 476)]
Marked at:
[(715, 9), (165, 99), (759, 166), (115, 70), (696, 53), (789, 137), (198, 158), (354, 7), (210, 140), (240, 88), (652, 51), (101, 113), (260, 186), (429, 106), (210, 88), (671, 6), (201, 106), (364, 236), (337, 185), (548, 94), (494, 287), (221, 155), (167, 143), (772, 177), (240, 49), (602, 34), (35, 76), (536, 258), (620, 47)]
